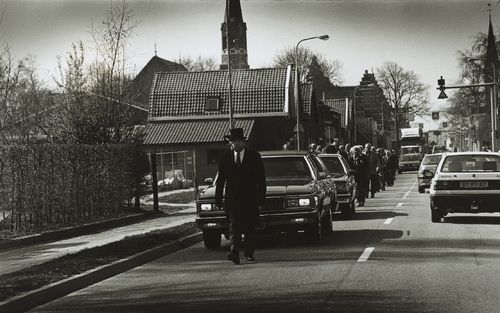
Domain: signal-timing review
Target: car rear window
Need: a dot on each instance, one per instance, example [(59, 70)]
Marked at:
[(432, 159), (471, 163), (286, 167), (334, 165)]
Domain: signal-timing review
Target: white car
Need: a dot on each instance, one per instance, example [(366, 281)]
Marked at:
[(466, 182)]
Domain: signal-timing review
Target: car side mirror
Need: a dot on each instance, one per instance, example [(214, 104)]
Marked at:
[(428, 173), (209, 181)]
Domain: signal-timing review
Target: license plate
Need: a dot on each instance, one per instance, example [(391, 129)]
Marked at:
[(473, 184)]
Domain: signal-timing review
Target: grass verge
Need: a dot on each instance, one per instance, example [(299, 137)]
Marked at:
[(180, 197), (37, 276)]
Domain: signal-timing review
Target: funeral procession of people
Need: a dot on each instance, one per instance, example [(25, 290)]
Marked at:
[(249, 156)]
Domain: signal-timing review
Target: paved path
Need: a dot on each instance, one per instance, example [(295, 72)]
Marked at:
[(18, 258)]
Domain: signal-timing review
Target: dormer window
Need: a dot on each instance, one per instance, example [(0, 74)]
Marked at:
[(212, 104)]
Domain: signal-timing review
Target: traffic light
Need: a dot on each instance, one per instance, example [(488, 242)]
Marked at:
[(441, 83)]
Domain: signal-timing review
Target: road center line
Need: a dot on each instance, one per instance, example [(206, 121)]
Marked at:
[(408, 192), (389, 220), (400, 204), (366, 254)]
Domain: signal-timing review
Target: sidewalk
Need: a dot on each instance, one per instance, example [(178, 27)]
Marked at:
[(18, 258)]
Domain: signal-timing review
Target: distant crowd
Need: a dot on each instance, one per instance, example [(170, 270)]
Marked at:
[(374, 168)]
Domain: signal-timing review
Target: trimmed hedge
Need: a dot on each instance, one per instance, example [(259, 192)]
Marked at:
[(49, 186)]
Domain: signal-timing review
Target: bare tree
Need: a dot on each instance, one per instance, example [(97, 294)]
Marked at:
[(331, 68), (465, 107), (199, 64), (404, 92), (96, 104)]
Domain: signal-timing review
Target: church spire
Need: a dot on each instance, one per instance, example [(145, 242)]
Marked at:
[(491, 60), (235, 29)]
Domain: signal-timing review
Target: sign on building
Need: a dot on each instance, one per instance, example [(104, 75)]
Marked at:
[(435, 115)]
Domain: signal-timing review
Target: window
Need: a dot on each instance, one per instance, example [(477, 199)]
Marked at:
[(212, 104), (286, 167), (471, 163)]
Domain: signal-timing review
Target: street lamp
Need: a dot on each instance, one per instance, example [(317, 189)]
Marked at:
[(296, 82)]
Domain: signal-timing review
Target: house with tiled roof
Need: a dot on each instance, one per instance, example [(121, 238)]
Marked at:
[(372, 119), (342, 109), (189, 111)]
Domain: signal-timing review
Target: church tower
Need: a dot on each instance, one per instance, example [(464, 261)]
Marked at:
[(237, 37)]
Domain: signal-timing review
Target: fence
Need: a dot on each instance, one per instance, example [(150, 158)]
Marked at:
[(48, 186)]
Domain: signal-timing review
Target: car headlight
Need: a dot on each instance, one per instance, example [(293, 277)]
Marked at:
[(341, 186), (207, 206), (304, 202), (298, 202)]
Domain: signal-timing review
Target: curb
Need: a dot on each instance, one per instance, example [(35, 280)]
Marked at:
[(66, 286), (69, 232)]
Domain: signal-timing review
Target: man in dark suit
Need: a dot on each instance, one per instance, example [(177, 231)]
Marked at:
[(242, 181)]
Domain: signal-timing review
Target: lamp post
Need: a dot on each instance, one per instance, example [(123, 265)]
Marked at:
[(296, 82)]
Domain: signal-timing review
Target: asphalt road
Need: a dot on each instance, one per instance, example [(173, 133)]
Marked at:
[(391, 258)]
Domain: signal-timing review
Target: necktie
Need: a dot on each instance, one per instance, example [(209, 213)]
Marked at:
[(238, 159)]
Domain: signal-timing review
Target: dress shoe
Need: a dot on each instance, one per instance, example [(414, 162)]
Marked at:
[(235, 259), (373, 195), (361, 204), (250, 258)]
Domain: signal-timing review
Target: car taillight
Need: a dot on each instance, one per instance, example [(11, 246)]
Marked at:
[(440, 185)]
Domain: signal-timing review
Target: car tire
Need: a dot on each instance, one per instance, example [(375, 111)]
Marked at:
[(346, 210), (314, 232), (353, 208), (327, 226), (435, 214), (211, 239), (421, 189)]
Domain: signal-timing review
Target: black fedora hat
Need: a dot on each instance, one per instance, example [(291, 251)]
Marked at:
[(236, 133)]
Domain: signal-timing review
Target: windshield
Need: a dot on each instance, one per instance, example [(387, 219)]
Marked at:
[(410, 149), (286, 167), (410, 157), (471, 163), (432, 159), (333, 164)]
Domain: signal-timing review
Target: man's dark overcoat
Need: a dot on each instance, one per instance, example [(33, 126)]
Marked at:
[(245, 187)]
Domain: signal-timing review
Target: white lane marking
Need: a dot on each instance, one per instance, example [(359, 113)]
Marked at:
[(408, 192), (389, 220), (400, 204), (366, 254)]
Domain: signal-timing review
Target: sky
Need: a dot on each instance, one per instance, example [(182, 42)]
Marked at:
[(420, 35)]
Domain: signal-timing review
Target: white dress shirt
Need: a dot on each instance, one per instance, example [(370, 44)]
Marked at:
[(242, 155)]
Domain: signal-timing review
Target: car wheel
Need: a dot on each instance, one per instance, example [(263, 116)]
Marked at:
[(421, 189), (314, 232), (435, 214), (327, 226), (347, 212), (211, 239), (353, 208)]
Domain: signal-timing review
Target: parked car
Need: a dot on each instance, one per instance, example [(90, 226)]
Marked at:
[(466, 182), (409, 162), (345, 183), (426, 170), (300, 196)]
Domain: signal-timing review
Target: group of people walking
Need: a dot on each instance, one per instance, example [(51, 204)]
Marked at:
[(375, 168)]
